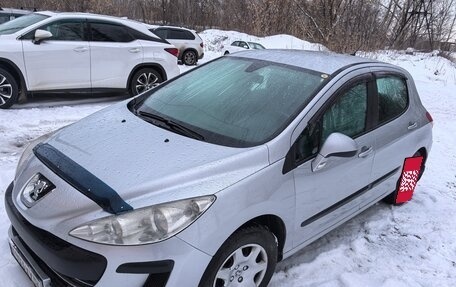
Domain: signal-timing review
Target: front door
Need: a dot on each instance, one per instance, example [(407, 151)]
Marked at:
[(327, 196), (61, 62)]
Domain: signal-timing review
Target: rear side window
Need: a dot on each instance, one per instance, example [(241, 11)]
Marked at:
[(180, 35), (109, 32), (162, 33), (392, 97)]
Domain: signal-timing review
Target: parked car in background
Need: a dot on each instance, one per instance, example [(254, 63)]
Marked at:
[(8, 14), (237, 46), (189, 43), (213, 177), (78, 52)]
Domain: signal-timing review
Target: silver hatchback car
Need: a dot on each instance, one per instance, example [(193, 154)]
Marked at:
[(213, 177)]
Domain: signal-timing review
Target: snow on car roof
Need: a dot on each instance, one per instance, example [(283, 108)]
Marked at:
[(326, 62)]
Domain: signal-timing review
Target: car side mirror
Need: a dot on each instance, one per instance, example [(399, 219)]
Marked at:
[(41, 35), (336, 144)]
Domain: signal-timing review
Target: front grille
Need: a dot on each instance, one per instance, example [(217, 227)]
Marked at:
[(66, 264)]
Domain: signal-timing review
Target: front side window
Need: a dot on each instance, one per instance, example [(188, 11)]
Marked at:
[(236, 101), (348, 114), (392, 97), (235, 43), (243, 45), (66, 30), (109, 32), (20, 23)]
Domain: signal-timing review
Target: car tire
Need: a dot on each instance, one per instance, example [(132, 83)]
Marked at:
[(189, 58), (144, 80), (9, 90), (391, 198), (256, 248), (226, 53)]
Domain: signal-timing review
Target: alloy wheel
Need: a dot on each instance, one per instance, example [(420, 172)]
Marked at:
[(245, 267), (6, 90), (145, 82)]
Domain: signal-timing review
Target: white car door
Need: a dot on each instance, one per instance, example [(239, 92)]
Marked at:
[(61, 62), (114, 53)]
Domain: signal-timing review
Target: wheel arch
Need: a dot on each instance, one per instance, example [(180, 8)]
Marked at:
[(274, 224), (15, 72), (155, 66)]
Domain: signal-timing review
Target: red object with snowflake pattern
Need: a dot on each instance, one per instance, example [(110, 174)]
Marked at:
[(409, 178)]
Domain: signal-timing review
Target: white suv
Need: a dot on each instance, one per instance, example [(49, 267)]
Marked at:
[(188, 42), (78, 52)]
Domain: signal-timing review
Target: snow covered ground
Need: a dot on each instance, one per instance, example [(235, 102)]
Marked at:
[(411, 245)]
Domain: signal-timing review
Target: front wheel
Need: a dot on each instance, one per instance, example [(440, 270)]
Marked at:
[(9, 91), (144, 80), (247, 258)]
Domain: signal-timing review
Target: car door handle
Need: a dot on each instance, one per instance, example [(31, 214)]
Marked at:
[(412, 126), (81, 49), (365, 151), (135, 50)]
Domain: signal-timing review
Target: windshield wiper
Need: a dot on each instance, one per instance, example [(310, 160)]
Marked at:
[(171, 125)]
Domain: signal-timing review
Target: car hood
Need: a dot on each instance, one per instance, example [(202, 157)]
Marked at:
[(146, 164)]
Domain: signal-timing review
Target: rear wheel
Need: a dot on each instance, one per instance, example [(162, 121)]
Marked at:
[(391, 198), (247, 258), (189, 58), (144, 80), (226, 53), (9, 91)]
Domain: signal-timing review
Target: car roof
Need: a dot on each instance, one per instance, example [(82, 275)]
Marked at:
[(128, 22), (14, 11), (325, 62), (174, 27)]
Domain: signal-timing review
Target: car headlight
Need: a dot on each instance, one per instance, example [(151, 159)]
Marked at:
[(28, 151), (145, 225)]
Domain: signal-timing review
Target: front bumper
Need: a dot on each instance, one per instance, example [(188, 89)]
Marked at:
[(172, 262)]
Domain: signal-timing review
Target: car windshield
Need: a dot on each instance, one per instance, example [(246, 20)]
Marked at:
[(20, 23), (256, 46), (235, 101)]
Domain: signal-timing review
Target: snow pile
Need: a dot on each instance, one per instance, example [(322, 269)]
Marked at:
[(215, 40), (409, 245)]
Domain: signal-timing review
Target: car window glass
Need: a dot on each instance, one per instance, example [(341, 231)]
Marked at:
[(4, 18), (107, 32), (347, 115), (20, 23), (162, 33), (180, 35), (236, 102), (235, 43), (256, 46), (308, 142), (392, 97), (243, 45), (65, 30)]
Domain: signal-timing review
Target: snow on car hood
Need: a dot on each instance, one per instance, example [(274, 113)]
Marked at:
[(146, 164)]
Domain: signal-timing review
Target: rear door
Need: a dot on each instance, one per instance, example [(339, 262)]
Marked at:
[(328, 196), (114, 52), (61, 62), (394, 122)]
